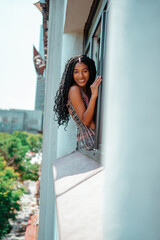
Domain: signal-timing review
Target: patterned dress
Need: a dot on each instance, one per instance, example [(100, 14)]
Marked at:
[(85, 135)]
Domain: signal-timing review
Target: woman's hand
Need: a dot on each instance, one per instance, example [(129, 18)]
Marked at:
[(94, 87)]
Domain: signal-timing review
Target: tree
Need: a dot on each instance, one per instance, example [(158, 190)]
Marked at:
[(10, 193), (22, 136), (14, 153), (35, 142), (15, 167), (29, 171)]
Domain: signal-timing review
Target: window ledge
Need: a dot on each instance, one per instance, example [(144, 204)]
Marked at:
[(95, 154), (79, 194)]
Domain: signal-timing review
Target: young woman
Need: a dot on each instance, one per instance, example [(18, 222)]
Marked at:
[(77, 96)]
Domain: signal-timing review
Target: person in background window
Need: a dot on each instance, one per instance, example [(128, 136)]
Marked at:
[(77, 96)]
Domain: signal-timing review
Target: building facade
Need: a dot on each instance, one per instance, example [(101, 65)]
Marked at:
[(123, 37), (40, 84), (21, 120), (40, 57)]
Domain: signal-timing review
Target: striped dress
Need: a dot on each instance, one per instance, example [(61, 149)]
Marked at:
[(85, 135)]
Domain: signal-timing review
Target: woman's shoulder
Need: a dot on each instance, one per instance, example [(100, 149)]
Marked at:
[(74, 90)]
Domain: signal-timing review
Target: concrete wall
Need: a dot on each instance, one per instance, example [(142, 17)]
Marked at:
[(48, 229), (56, 141), (72, 45), (132, 121)]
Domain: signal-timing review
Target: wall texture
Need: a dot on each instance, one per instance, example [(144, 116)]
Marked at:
[(132, 129), (72, 45), (48, 229)]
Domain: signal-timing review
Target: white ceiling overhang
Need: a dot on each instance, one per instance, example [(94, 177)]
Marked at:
[(77, 12)]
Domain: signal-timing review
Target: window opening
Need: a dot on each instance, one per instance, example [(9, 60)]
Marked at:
[(5, 119), (94, 47), (14, 120)]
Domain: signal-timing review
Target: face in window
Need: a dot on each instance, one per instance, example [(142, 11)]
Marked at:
[(81, 74)]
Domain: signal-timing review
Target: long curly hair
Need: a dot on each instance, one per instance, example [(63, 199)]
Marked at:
[(60, 108)]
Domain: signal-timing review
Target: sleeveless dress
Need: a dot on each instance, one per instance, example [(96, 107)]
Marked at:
[(85, 135)]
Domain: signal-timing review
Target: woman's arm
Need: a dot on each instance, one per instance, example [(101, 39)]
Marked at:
[(85, 115)]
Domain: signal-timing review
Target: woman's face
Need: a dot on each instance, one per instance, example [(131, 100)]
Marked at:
[(81, 74)]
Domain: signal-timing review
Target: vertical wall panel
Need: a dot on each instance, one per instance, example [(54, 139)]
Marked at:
[(132, 121), (48, 228)]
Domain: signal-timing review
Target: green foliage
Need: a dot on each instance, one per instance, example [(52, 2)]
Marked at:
[(14, 167), (10, 193), (35, 142), (4, 136), (16, 151), (13, 151), (22, 136), (14, 148), (29, 170)]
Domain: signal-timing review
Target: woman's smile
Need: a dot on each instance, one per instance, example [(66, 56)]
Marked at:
[(81, 74), (81, 80)]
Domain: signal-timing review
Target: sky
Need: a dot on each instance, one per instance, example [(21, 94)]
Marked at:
[(20, 22)]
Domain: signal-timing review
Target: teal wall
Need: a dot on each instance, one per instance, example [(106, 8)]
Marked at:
[(48, 223), (72, 45), (132, 121)]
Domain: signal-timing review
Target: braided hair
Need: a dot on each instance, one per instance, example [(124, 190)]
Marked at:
[(60, 108)]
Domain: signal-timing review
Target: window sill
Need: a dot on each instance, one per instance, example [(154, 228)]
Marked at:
[(79, 195), (95, 154)]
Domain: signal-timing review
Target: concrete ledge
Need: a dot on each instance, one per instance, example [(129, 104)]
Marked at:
[(79, 195)]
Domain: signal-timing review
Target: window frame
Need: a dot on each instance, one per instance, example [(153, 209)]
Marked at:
[(88, 48)]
